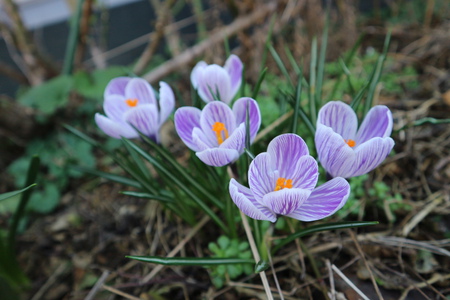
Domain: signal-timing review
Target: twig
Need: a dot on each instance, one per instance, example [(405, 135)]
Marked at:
[(119, 292), (84, 31), (256, 256), (423, 213), (330, 273), (50, 281), (361, 253), (435, 278), (273, 125), (349, 282), (216, 37), (163, 15), (274, 273), (178, 247), (97, 286)]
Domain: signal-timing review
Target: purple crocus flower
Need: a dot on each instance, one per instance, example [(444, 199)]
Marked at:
[(282, 182), (217, 133), (223, 82), (346, 151), (131, 102)]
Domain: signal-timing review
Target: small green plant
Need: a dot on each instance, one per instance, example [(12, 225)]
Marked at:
[(227, 248)]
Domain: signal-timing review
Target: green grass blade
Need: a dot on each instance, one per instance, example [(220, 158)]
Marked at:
[(298, 94), (32, 173), (267, 43), (347, 75), (321, 62), (148, 196), (377, 74), (72, 40), (82, 136), (112, 177), (177, 182), (312, 82), (182, 171), (321, 227), (8, 195), (291, 58), (191, 261), (262, 75), (139, 163), (280, 64), (348, 59)]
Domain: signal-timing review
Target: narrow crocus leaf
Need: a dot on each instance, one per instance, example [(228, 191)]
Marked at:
[(32, 173), (191, 261), (175, 180), (15, 193), (321, 227), (148, 196), (182, 171), (109, 176)]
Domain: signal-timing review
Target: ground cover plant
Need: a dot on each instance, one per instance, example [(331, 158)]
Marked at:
[(286, 150)]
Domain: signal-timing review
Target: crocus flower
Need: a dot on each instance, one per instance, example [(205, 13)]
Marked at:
[(346, 151), (282, 182), (217, 133), (223, 82), (131, 102)]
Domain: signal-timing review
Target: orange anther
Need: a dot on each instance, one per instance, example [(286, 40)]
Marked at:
[(218, 128), (283, 183), (131, 102), (350, 142)]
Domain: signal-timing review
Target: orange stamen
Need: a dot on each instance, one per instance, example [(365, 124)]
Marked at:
[(350, 142), (283, 183), (131, 102), (220, 128)]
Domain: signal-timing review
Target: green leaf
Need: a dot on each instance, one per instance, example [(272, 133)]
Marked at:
[(45, 201), (191, 261), (49, 96), (93, 85), (321, 227)]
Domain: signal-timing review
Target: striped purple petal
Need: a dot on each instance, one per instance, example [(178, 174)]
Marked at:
[(323, 201), (218, 157), (234, 67), (214, 84), (138, 88), (196, 73), (186, 119), (236, 140), (166, 101), (261, 177), (214, 112), (370, 154), (244, 200), (240, 110), (285, 150), (116, 86), (115, 107), (145, 119), (285, 201), (377, 123), (115, 129), (334, 154), (340, 117)]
